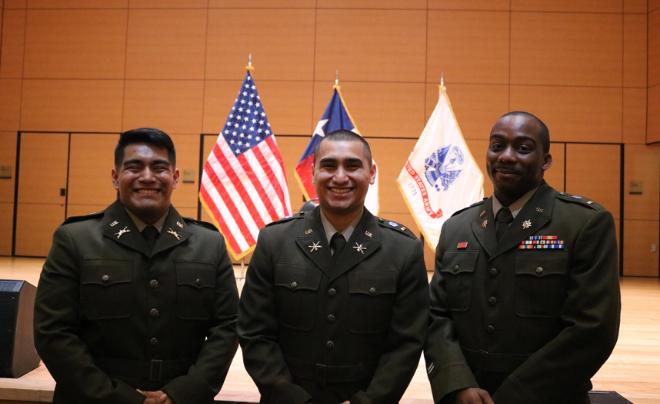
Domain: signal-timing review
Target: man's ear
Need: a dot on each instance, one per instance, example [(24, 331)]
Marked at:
[(175, 178), (115, 179), (547, 161), (372, 172)]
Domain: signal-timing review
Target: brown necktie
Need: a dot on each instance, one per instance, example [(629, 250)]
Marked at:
[(502, 220), (337, 242)]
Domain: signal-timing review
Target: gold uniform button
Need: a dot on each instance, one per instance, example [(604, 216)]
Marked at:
[(493, 272), (332, 292), (105, 278), (154, 313), (330, 344), (294, 285), (456, 266), (153, 341), (331, 318), (372, 291), (539, 270), (153, 284)]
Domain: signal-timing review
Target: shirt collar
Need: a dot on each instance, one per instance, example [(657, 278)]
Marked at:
[(514, 207), (141, 225), (330, 229)]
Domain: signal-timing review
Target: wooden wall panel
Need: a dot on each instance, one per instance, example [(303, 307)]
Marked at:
[(638, 257), (168, 4), (10, 104), (78, 4), (634, 50), (378, 109), (8, 158), (291, 148), (477, 107), (566, 49), (593, 171), (72, 105), (575, 6), (391, 156), (289, 55), (485, 5), (653, 48), (479, 148), (653, 5), (91, 159), (373, 4), (75, 44), (371, 45), (35, 225), (635, 6), (462, 43), (173, 106), (573, 114), (166, 44), (634, 115), (187, 158), (7, 218), (84, 210), (641, 164), (13, 43), (15, 4), (263, 4), (555, 175), (653, 115), (287, 105), (42, 169)]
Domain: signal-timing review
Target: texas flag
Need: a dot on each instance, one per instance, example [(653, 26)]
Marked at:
[(335, 117)]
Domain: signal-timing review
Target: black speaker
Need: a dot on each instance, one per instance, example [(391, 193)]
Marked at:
[(17, 353), (607, 397)]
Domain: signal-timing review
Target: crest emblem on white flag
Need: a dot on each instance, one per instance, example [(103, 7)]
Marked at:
[(440, 176)]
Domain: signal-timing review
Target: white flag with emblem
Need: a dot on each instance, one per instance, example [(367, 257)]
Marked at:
[(440, 176)]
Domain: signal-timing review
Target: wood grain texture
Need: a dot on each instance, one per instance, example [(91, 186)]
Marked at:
[(566, 49), (483, 5), (8, 158), (168, 4), (653, 5), (166, 44), (592, 171), (174, 106), (71, 105), (634, 50), (286, 55), (639, 161), (634, 115), (83, 210), (43, 168), (468, 46), (75, 44), (187, 158), (78, 4), (13, 43), (653, 115), (573, 114), (639, 259), (10, 104), (378, 109), (653, 48), (35, 225), (91, 159), (373, 4), (7, 217), (479, 148), (635, 6), (555, 174), (391, 156), (262, 4), (574, 6), (371, 45)]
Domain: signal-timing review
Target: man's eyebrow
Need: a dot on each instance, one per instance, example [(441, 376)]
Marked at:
[(328, 160), (522, 137), (132, 161), (354, 160)]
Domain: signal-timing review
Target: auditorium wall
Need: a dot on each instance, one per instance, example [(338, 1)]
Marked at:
[(75, 73)]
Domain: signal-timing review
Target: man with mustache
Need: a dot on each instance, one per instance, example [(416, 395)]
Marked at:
[(525, 298), (335, 304), (135, 303)]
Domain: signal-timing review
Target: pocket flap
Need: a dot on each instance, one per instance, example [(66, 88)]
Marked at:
[(195, 274), (297, 278), (106, 272), (456, 262), (372, 282), (541, 263)]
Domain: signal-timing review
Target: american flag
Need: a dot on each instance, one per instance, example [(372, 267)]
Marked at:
[(243, 184)]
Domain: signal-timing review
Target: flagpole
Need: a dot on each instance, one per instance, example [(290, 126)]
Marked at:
[(249, 67)]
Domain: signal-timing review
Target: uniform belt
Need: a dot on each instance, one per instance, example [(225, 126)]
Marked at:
[(490, 362), (153, 370), (323, 374)]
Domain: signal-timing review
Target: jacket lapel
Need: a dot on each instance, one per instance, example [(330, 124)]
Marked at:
[(119, 227), (483, 228), (312, 241), (536, 213), (364, 241), (173, 233)]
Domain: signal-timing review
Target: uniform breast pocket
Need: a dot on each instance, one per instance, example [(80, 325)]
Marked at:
[(372, 293), (296, 289), (105, 291), (458, 272), (540, 289), (195, 290)]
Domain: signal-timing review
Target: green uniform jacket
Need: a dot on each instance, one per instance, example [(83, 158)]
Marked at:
[(107, 310), (544, 320), (315, 331)]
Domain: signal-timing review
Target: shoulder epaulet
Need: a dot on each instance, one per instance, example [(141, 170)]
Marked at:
[(74, 219), (578, 200), (287, 219), (201, 223), (396, 226), (471, 206)]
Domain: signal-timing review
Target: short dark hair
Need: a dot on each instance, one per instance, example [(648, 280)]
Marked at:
[(343, 135), (151, 136), (544, 133)]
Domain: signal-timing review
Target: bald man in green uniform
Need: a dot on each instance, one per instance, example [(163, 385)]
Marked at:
[(525, 299)]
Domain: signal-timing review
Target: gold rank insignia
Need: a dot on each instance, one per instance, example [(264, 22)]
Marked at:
[(113, 224), (527, 224), (309, 231), (179, 224), (484, 224), (172, 232), (539, 210), (590, 202), (482, 213), (368, 234)]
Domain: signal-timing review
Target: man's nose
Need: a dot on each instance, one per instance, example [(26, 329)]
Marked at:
[(147, 175), (507, 155), (340, 175)]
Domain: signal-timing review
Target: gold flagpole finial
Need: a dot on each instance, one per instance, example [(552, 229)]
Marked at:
[(249, 66), (442, 81), (336, 80)]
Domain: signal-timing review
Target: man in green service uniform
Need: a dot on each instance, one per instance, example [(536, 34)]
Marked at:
[(525, 298), (137, 304), (335, 305)]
